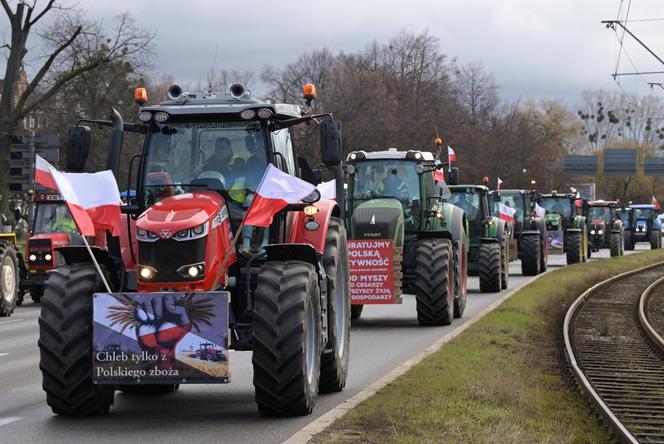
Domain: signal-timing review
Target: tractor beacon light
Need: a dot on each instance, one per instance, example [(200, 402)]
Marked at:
[(140, 96), (438, 141), (485, 181), (309, 93)]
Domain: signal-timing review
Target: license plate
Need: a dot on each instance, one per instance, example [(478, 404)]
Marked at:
[(160, 338)]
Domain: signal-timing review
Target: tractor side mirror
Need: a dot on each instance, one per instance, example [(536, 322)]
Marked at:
[(330, 141), (454, 176), (78, 148)]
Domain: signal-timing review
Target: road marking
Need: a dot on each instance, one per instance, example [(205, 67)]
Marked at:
[(9, 420), (318, 425), (11, 322)]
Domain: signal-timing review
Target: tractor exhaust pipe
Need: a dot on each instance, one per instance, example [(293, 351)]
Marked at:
[(115, 149)]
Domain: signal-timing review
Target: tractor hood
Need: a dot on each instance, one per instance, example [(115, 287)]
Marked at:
[(378, 219), (57, 239), (180, 212)]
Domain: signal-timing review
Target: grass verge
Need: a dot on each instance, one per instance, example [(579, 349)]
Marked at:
[(505, 379)]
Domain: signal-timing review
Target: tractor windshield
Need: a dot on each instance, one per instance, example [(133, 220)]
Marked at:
[(559, 205), (468, 200), (224, 156), (53, 218), (643, 213), (386, 178), (512, 200), (603, 213)]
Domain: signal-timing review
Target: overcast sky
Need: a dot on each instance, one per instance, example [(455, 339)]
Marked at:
[(535, 48)]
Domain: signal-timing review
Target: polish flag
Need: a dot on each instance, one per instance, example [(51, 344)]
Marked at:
[(93, 199), (506, 213), (328, 190), (500, 182), (539, 211), (438, 176), (450, 154), (276, 190), (655, 202), (43, 174)]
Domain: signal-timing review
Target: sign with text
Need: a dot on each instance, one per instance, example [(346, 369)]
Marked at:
[(160, 338), (555, 241), (371, 271)]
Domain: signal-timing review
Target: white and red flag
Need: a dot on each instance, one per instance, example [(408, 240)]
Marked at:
[(93, 199), (539, 211), (276, 190), (450, 154), (500, 182), (506, 213), (655, 202), (328, 190)]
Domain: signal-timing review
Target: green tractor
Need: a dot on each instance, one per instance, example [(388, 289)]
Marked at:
[(489, 253), (567, 233), (529, 229), (404, 236)]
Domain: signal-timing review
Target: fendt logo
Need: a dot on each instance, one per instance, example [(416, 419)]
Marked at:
[(165, 233)]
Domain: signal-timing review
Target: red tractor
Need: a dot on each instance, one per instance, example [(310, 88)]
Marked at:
[(51, 227), (285, 287), (207, 351)]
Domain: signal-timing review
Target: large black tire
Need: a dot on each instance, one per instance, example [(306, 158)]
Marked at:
[(286, 338), (530, 255), (505, 263), (543, 254), (573, 247), (36, 294), (9, 278), (615, 243), (655, 239), (459, 289), (628, 240), (490, 268), (433, 282), (334, 360), (65, 343), (356, 311)]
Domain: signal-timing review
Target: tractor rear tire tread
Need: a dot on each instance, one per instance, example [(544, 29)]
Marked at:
[(8, 304), (435, 305), (615, 242), (459, 291), (573, 245), (530, 255), (490, 268)]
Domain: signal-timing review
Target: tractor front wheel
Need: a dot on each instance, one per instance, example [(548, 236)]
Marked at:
[(334, 360), (530, 255), (65, 343), (655, 239), (287, 338), (628, 240), (9, 278), (615, 244), (490, 268), (433, 282)]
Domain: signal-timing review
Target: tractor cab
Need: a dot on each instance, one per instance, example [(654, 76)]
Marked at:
[(474, 201)]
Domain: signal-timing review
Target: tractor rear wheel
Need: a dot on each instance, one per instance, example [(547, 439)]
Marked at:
[(460, 289), (543, 254), (615, 242), (65, 343), (433, 282), (655, 239), (334, 360), (573, 247), (490, 268), (9, 278), (530, 255), (356, 311), (629, 240), (286, 338)]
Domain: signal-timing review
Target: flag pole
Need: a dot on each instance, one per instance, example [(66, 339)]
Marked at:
[(94, 261), (227, 256)]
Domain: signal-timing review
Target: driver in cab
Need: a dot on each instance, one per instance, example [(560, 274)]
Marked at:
[(223, 160)]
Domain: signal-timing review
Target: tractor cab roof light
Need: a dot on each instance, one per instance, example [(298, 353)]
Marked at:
[(248, 114), (161, 116), (140, 96), (357, 155), (145, 116), (417, 155), (264, 113)]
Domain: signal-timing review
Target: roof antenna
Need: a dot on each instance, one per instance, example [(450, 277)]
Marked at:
[(212, 73)]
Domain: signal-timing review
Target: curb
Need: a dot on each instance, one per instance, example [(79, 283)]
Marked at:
[(321, 423)]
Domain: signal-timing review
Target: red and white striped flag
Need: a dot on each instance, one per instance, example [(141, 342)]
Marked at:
[(506, 213), (450, 154), (655, 202), (539, 211), (93, 199), (276, 190), (500, 182)]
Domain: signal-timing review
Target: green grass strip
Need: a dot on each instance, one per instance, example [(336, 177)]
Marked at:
[(502, 380)]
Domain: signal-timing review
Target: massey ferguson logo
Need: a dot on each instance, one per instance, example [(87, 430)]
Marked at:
[(165, 233)]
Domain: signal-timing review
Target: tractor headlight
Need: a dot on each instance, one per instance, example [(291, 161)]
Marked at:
[(192, 233), (192, 271), (48, 257), (145, 235), (310, 210), (146, 273), (32, 257), (600, 232), (592, 231)]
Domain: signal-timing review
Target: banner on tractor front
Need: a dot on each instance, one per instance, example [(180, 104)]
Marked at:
[(160, 338), (555, 240), (371, 271)]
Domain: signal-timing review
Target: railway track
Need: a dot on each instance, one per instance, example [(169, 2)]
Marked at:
[(617, 355)]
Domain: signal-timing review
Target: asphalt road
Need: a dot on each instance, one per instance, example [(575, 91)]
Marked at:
[(382, 339)]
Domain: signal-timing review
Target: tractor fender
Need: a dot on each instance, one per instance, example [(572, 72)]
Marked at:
[(119, 277), (500, 229), (531, 233), (317, 237), (490, 240), (573, 230), (300, 252)]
